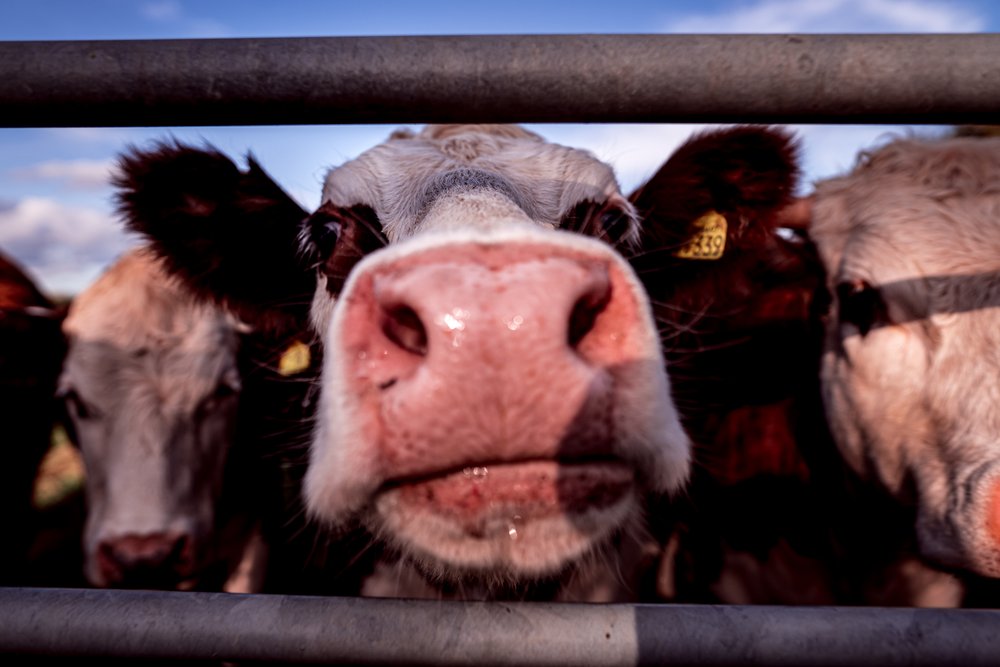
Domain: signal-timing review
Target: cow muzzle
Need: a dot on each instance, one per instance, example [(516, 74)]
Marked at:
[(493, 400)]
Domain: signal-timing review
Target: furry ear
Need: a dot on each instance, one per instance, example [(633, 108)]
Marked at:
[(230, 235), (746, 174)]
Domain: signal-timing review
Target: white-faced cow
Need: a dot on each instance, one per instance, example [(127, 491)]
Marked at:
[(152, 383), (911, 369), (31, 352)]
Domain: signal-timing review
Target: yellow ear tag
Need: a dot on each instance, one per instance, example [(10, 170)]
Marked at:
[(295, 359), (709, 239)]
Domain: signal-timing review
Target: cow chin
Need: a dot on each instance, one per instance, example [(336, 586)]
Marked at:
[(965, 537), (513, 521)]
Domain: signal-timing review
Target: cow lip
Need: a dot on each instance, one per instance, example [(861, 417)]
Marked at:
[(474, 469), (523, 490)]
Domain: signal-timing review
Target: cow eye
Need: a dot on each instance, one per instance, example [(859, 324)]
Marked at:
[(225, 390), (604, 221), (77, 407), (229, 385), (615, 224), (861, 305), (324, 232)]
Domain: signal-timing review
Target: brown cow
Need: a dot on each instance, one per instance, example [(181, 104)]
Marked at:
[(31, 352)]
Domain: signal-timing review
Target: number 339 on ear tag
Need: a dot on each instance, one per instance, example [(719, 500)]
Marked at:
[(708, 240)]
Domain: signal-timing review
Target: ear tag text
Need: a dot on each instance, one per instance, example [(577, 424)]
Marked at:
[(709, 238)]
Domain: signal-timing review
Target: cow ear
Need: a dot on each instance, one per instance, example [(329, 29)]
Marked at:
[(229, 234), (735, 181)]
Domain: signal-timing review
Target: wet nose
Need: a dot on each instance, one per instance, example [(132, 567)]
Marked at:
[(154, 560), (549, 304), (519, 336)]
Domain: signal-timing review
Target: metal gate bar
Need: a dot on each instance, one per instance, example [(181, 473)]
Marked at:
[(218, 626), (536, 78)]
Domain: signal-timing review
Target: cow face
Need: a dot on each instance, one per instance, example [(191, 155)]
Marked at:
[(733, 284), (150, 382), (910, 242), (494, 397)]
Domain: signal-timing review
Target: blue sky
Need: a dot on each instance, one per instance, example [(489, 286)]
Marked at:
[(55, 205)]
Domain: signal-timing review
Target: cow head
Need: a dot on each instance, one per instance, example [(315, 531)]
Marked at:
[(910, 241), (734, 284), (151, 385)]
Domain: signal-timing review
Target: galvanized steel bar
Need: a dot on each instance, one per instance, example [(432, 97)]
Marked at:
[(525, 78), (217, 626)]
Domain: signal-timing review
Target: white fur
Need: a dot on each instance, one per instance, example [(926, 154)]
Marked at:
[(916, 404)]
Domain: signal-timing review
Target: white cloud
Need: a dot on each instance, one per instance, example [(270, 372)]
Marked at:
[(92, 135), (171, 11), (833, 150), (836, 16), (64, 247), (75, 174), (164, 10)]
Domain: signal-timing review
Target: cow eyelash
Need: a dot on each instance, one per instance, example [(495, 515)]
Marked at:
[(603, 221), (861, 305)]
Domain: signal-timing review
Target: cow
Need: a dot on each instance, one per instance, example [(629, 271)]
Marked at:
[(151, 384), (909, 240), (31, 354), (771, 515)]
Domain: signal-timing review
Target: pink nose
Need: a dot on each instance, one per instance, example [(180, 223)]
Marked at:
[(478, 352), (155, 560)]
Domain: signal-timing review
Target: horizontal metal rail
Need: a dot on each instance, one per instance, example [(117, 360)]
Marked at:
[(525, 78), (218, 626)]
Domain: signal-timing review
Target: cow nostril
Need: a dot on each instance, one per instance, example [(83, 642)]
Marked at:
[(403, 327), (585, 311)]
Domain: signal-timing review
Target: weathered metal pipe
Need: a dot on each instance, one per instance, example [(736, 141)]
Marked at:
[(525, 78), (217, 626)]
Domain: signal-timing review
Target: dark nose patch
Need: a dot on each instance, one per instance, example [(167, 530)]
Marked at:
[(472, 179)]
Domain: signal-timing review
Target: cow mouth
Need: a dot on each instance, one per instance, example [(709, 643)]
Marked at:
[(491, 497)]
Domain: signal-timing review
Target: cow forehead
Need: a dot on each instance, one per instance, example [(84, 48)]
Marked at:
[(398, 177), (135, 304), (914, 208), (905, 234), (135, 327)]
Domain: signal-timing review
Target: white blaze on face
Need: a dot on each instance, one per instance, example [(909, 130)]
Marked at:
[(151, 383), (911, 372), (493, 396)]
